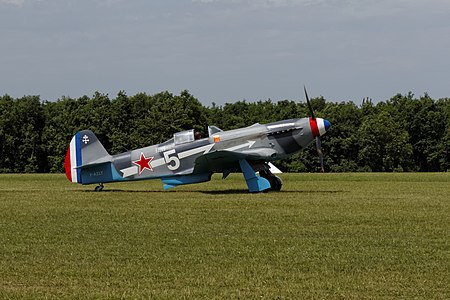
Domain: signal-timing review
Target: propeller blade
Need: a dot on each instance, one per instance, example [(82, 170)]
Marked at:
[(320, 153), (318, 143), (309, 104)]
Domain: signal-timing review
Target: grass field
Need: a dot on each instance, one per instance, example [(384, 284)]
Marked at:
[(344, 236)]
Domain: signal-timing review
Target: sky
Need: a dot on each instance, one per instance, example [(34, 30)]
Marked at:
[(226, 51)]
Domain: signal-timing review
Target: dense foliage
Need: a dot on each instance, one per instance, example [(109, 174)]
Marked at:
[(401, 134)]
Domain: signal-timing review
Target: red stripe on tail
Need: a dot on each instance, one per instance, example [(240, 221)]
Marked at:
[(67, 165)]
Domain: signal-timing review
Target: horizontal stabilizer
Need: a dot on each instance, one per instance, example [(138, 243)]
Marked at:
[(101, 161)]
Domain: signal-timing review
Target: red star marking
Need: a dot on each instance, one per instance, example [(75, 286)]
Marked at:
[(143, 163)]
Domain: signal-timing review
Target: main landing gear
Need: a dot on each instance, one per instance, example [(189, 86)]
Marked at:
[(99, 187), (275, 182)]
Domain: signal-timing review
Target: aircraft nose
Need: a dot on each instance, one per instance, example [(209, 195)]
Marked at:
[(319, 126)]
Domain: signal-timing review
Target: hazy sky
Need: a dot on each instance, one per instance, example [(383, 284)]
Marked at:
[(225, 51)]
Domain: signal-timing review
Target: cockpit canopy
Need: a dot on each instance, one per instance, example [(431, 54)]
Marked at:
[(188, 136), (184, 137)]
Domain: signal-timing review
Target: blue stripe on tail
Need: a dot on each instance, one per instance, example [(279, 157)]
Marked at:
[(78, 155)]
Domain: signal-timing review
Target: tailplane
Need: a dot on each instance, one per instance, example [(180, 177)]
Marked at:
[(84, 150)]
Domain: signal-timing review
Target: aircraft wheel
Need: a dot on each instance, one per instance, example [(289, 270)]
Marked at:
[(276, 183)]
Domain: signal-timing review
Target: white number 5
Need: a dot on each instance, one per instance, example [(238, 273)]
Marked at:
[(170, 159)]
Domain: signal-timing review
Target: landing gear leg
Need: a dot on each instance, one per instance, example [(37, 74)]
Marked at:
[(255, 183), (99, 187)]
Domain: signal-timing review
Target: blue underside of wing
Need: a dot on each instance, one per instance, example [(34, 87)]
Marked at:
[(170, 182)]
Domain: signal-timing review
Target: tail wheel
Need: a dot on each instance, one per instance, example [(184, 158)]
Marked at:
[(99, 188)]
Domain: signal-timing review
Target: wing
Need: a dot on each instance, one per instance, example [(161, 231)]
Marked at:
[(225, 160)]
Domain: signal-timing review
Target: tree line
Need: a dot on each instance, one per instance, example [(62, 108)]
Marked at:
[(402, 134)]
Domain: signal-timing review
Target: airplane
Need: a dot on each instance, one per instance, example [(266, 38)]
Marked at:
[(183, 159)]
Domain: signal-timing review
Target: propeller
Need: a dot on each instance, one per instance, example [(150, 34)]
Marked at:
[(318, 143)]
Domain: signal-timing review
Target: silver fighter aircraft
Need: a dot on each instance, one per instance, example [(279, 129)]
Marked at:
[(185, 160)]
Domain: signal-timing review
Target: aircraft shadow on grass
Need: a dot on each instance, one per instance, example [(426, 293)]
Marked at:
[(221, 192)]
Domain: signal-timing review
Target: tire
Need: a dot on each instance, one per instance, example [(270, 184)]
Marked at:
[(276, 183)]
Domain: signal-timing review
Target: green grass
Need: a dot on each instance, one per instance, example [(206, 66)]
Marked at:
[(344, 236)]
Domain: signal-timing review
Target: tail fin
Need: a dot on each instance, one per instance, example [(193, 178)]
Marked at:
[(84, 150)]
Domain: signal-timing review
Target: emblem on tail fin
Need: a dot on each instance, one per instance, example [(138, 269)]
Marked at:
[(85, 139)]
